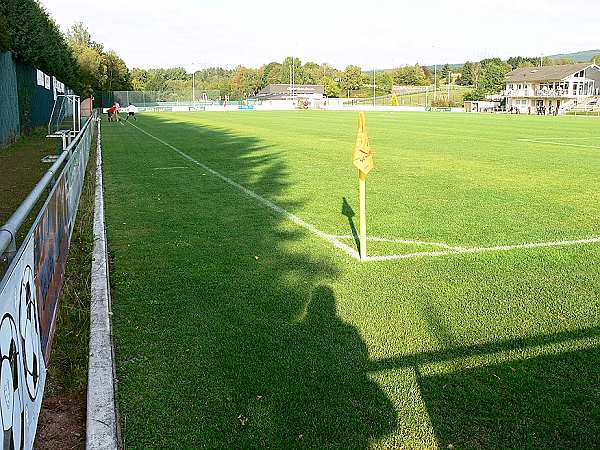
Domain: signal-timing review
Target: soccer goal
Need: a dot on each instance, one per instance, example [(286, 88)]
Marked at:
[(65, 120)]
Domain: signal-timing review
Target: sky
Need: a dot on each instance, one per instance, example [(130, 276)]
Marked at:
[(377, 34)]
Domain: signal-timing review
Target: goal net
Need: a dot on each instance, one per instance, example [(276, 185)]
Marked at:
[(65, 117)]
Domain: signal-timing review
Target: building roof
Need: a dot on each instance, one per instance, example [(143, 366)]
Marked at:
[(546, 73)]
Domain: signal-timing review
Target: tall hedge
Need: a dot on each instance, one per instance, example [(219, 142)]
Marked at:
[(35, 39)]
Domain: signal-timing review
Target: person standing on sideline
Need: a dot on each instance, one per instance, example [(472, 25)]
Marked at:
[(131, 110)]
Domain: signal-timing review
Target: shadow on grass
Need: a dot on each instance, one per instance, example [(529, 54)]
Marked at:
[(550, 401), (349, 213), (225, 337), (544, 402)]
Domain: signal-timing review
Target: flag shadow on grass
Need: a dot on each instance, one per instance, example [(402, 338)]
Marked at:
[(226, 338), (350, 214)]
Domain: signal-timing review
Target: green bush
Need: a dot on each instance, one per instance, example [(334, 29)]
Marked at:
[(394, 101), (474, 95), (5, 41)]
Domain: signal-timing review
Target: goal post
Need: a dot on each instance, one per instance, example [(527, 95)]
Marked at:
[(65, 118)]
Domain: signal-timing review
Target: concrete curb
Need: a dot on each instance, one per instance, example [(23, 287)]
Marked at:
[(102, 427)]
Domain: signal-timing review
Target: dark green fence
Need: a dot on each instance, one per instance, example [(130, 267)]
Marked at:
[(25, 103), (9, 101)]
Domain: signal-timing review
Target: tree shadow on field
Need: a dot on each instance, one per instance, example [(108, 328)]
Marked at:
[(226, 331)]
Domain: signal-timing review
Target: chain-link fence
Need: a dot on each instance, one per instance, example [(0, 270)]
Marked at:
[(150, 99)]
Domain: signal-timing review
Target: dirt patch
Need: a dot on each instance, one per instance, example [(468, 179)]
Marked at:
[(62, 422)]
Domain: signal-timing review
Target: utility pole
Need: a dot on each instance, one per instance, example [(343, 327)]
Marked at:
[(435, 83), (373, 86)]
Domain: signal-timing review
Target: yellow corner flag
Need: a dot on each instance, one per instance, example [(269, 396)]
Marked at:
[(362, 158)]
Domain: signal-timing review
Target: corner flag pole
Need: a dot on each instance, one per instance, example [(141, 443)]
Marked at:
[(362, 158), (362, 187)]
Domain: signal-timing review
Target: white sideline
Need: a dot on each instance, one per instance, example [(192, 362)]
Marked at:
[(566, 144), (497, 248), (295, 219), (170, 168), (335, 240), (102, 427)]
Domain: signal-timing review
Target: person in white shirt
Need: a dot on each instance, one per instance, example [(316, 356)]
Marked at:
[(131, 110), (118, 110)]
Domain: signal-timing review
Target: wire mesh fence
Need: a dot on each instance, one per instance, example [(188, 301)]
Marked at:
[(148, 99)]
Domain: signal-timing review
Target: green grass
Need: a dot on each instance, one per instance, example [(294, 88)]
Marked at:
[(235, 328)]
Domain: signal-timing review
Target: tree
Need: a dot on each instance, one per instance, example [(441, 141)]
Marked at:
[(244, 82), (117, 75), (445, 72), (286, 69), (138, 77), (312, 73), (325, 70), (5, 42), (561, 61), (596, 59), (99, 70), (410, 76), (271, 74), (92, 75), (492, 75), (332, 89), (352, 78), (79, 35), (466, 74), (35, 39), (384, 82), (476, 94)]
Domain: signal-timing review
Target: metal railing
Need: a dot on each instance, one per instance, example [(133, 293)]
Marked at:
[(8, 231)]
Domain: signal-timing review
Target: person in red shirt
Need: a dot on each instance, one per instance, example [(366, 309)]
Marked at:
[(111, 112)]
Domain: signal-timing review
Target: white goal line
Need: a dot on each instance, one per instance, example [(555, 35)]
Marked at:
[(336, 241), (565, 144)]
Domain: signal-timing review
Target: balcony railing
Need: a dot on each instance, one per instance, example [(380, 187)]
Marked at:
[(548, 93)]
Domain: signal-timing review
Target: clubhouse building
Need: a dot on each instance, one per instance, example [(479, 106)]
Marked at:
[(554, 89)]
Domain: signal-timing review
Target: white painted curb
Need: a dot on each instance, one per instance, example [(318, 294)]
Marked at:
[(102, 429)]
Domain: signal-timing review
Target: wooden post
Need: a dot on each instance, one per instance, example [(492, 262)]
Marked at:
[(362, 182)]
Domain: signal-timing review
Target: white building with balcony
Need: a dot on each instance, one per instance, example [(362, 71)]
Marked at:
[(554, 88)]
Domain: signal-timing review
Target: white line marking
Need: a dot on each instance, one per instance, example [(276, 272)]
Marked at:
[(405, 241), (498, 248), (169, 168), (554, 138), (335, 240), (558, 143), (293, 218)]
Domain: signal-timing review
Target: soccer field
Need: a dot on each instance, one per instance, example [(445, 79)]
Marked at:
[(243, 317)]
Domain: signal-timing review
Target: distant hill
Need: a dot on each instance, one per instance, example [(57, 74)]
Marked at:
[(583, 56)]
